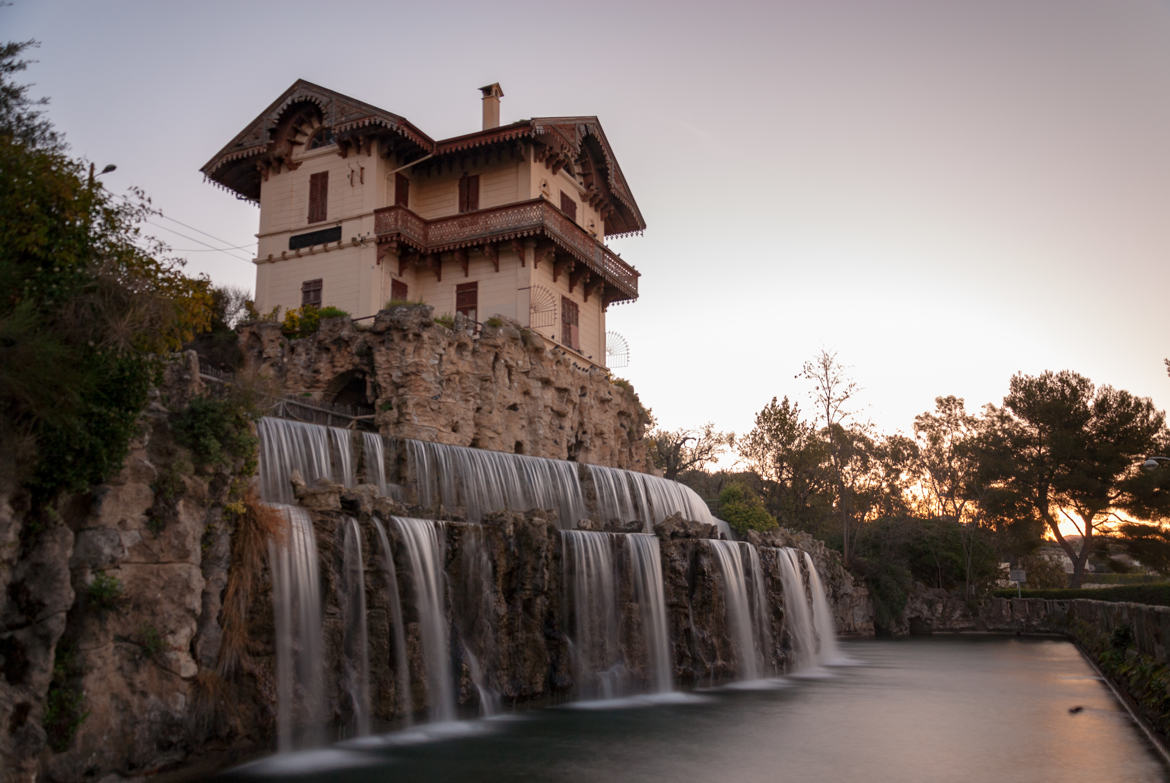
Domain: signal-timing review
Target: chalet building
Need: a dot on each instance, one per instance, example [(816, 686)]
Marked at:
[(358, 208)]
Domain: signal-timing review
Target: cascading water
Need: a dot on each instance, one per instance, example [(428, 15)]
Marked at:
[(484, 481), (286, 446), (356, 644), (829, 653), (646, 562), (374, 461), (299, 647), (624, 495), (401, 667), (740, 617), (598, 666), (472, 610), (796, 612), (424, 550)]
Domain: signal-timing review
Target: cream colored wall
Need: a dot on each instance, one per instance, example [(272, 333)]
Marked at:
[(356, 187), (590, 315), (540, 174), (499, 293), (437, 195)]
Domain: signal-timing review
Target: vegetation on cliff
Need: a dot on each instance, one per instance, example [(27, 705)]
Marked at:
[(89, 304)]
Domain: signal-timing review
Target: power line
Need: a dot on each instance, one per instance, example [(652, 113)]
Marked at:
[(200, 241), (201, 231)]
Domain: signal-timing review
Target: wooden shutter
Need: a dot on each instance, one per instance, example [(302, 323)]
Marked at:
[(318, 196), (569, 333), (311, 292), (467, 300), (397, 291), (568, 206), (469, 193), (401, 191)]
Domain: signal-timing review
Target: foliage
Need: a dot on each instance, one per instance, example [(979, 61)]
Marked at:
[(89, 305), (65, 702), (1148, 544), (1042, 572), (218, 430), (104, 592), (1065, 450), (219, 345), (306, 320), (676, 451), (446, 319), (150, 640), (494, 322), (1152, 594), (934, 551), (743, 509)]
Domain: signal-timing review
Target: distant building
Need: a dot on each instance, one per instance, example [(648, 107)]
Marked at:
[(359, 207)]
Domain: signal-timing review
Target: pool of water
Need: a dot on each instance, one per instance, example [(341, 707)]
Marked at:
[(940, 709)]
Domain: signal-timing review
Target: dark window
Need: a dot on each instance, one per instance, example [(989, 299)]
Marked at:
[(322, 138), (467, 299), (311, 293), (569, 333), (318, 196), (323, 237), (469, 193), (397, 291), (568, 206), (401, 191)]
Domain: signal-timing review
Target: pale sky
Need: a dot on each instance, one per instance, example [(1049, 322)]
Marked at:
[(943, 192)]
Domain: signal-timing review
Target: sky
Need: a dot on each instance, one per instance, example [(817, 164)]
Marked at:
[(941, 192)]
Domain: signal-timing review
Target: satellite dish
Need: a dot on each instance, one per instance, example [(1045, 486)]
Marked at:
[(542, 309), (617, 350)]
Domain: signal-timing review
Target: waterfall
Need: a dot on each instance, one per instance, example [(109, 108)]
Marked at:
[(424, 549), (473, 614), (299, 647), (796, 612), (401, 665), (598, 667), (374, 460), (829, 652), (741, 619), (646, 561), (624, 495), (286, 446), (484, 481), (356, 644)]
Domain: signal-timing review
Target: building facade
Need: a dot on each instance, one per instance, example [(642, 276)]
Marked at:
[(359, 208)]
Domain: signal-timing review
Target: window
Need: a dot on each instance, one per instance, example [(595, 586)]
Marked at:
[(322, 236), (318, 194), (469, 193), (397, 291), (311, 293), (569, 333), (568, 206), (467, 299), (401, 191), (322, 138)]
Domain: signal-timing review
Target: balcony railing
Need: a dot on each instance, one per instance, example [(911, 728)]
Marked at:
[(512, 221)]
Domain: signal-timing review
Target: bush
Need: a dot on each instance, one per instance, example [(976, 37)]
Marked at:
[(1153, 595), (744, 510), (306, 320), (104, 592), (217, 430), (446, 319)]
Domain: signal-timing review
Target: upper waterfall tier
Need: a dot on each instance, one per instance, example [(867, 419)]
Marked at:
[(442, 478)]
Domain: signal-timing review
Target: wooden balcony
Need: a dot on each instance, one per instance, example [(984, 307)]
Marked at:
[(512, 221)]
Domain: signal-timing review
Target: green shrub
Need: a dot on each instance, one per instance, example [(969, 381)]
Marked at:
[(494, 322), (65, 701), (446, 319), (306, 320), (218, 430), (104, 592), (744, 510), (1153, 594), (150, 640)]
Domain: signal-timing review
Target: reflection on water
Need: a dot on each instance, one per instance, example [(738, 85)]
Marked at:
[(961, 710)]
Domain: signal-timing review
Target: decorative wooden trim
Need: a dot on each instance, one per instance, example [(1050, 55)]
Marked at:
[(492, 253), (462, 259)]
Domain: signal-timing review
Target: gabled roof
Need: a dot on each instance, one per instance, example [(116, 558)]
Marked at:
[(270, 138), (237, 166)]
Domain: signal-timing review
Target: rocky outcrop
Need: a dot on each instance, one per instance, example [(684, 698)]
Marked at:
[(503, 388)]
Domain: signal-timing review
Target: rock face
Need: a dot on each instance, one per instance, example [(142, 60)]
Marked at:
[(502, 389)]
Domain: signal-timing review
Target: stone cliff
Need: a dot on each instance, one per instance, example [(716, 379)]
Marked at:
[(503, 389)]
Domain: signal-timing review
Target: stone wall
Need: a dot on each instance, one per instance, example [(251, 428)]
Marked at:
[(504, 389)]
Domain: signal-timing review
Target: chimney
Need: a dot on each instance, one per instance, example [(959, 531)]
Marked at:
[(491, 105)]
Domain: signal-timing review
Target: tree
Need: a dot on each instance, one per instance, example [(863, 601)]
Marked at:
[(785, 452), (743, 509), (677, 451), (88, 304), (1067, 451)]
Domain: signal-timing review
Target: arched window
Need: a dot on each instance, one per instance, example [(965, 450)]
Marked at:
[(322, 137)]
